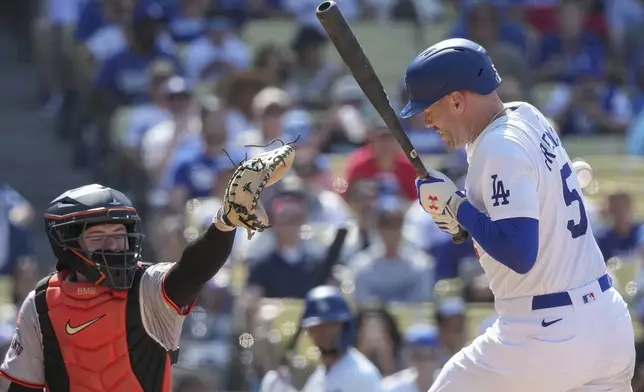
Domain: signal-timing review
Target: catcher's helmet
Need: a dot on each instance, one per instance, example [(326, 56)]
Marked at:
[(448, 66), (326, 304), (74, 211)]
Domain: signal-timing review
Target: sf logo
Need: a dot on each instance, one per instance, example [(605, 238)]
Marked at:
[(432, 202)]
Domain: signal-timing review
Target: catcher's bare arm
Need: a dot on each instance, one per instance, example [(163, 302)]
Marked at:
[(204, 256)]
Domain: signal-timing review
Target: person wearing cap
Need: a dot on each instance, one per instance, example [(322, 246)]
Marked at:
[(313, 75), (195, 177), (344, 125), (123, 78), (282, 263), (384, 161), (217, 53), (392, 270), (450, 316), (188, 20), (421, 350), (268, 107)]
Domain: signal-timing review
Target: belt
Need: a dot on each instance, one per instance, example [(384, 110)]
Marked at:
[(556, 300)]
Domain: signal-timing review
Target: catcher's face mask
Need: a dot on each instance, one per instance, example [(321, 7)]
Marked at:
[(108, 250)]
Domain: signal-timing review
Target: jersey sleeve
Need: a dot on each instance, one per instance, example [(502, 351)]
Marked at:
[(508, 182), (24, 362), (162, 319)]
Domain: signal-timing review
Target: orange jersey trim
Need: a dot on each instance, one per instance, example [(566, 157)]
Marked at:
[(21, 382), (170, 302)]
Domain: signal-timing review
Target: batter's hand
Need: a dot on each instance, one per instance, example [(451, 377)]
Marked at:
[(438, 194), (446, 223)]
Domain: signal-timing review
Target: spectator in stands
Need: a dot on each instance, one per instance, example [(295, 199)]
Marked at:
[(589, 105), (53, 46), (95, 14), (313, 74), (343, 125), (486, 26), (326, 207), (635, 130), (421, 354), (392, 270), (482, 19), (195, 177), (379, 338), (382, 160), (624, 235), (573, 47), (216, 54), (286, 270), (238, 90), (123, 78), (16, 215), (171, 142), (271, 61), (362, 198), (112, 38), (451, 320), (129, 133), (189, 21), (268, 108), (205, 341), (625, 19)]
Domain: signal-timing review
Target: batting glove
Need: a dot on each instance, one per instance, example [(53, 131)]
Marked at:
[(446, 223), (438, 194)]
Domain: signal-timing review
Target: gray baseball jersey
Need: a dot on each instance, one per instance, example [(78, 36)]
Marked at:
[(24, 361)]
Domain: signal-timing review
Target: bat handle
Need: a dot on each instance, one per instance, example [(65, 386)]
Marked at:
[(461, 236)]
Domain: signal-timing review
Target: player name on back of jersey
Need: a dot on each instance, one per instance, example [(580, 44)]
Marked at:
[(549, 142)]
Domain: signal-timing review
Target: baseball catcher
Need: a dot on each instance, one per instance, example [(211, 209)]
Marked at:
[(105, 321)]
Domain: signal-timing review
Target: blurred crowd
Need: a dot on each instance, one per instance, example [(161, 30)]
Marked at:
[(162, 99)]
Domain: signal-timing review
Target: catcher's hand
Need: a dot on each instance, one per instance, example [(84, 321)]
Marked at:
[(241, 203)]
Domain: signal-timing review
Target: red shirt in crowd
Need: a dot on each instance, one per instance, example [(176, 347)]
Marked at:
[(361, 164)]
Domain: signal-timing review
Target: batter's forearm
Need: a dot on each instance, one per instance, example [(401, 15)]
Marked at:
[(200, 261), (513, 242)]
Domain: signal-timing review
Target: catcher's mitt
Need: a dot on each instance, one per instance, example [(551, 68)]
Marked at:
[(241, 202)]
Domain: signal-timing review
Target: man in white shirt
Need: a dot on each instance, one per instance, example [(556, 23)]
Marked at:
[(562, 325), (329, 322), (421, 351)]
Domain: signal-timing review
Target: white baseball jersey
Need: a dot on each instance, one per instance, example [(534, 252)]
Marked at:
[(352, 373), (519, 168)]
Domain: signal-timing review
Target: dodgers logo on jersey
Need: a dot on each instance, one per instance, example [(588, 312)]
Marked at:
[(499, 192)]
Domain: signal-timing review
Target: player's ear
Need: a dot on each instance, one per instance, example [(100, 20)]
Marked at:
[(457, 102)]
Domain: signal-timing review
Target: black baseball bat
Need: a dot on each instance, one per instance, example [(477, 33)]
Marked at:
[(347, 45), (332, 257)]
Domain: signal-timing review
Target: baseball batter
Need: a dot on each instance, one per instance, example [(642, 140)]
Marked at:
[(562, 326), (329, 322)]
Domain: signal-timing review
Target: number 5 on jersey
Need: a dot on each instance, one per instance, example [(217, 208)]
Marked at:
[(570, 196)]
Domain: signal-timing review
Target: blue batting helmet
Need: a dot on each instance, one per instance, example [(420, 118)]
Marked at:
[(326, 304), (421, 335), (448, 66)]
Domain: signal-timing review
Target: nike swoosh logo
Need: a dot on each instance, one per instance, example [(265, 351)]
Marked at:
[(545, 323), (74, 330)]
